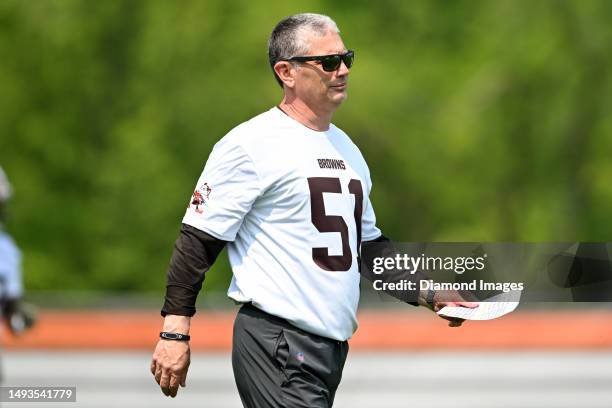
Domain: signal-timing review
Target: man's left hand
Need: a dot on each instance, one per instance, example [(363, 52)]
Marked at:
[(447, 298)]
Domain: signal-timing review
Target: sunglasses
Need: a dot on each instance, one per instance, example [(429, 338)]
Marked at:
[(331, 62)]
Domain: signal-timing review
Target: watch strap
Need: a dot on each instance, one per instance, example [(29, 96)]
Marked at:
[(430, 297), (174, 336)]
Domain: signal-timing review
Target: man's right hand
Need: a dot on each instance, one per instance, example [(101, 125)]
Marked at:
[(171, 358)]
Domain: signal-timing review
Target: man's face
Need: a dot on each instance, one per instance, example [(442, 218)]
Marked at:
[(316, 87)]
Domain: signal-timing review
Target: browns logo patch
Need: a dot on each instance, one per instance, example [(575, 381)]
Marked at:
[(199, 197)]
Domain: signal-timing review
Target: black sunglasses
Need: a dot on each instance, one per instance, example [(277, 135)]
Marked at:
[(331, 62)]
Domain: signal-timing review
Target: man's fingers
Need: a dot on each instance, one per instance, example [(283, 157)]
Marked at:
[(184, 379), (168, 382), (164, 382), (470, 305), (169, 366), (174, 384), (158, 373), (153, 366), (453, 321), (183, 376)]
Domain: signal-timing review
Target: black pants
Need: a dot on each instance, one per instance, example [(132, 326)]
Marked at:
[(278, 365)]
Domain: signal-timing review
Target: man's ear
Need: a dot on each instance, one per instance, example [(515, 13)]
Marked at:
[(285, 71)]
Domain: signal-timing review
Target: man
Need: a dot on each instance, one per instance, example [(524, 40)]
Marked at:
[(289, 194)]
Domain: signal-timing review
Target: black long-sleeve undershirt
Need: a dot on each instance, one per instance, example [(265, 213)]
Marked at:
[(386, 248), (194, 253)]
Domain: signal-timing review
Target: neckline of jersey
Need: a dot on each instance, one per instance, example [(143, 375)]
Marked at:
[(320, 133)]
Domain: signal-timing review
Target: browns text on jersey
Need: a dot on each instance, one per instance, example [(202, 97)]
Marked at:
[(331, 164)]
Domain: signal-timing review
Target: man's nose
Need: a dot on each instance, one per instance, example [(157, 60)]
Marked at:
[(343, 70)]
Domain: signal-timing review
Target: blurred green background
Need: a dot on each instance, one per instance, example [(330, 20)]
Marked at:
[(480, 120)]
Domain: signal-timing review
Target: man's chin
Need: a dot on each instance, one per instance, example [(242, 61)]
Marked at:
[(339, 97)]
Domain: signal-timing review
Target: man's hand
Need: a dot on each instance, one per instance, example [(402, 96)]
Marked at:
[(444, 298), (171, 358)]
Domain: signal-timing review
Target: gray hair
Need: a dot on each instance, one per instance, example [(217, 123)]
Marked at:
[(288, 39)]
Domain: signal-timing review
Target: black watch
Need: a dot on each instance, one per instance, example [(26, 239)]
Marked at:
[(174, 336), (430, 297)]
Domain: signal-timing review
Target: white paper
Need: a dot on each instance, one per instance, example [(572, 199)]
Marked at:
[(491, 308)]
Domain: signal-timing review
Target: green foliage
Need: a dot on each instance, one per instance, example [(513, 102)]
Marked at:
[(480, 121)]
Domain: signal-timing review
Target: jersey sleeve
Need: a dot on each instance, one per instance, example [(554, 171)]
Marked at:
[(368, 223), (225, 192), (369, 230)]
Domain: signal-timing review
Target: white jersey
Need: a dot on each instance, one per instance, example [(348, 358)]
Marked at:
[(10, 268), (293, 202)]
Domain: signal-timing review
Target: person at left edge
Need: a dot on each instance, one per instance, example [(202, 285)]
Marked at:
[(17, 316)]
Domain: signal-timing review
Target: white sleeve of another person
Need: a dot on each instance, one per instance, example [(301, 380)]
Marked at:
[(10, 268), (225, 191)]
